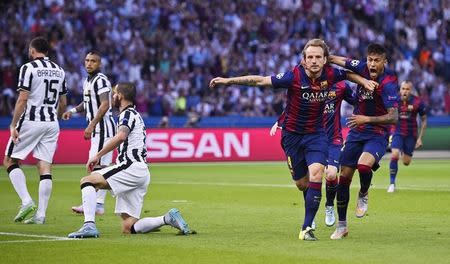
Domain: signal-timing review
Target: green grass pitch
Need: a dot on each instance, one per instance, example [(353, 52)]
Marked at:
[(243, 213)]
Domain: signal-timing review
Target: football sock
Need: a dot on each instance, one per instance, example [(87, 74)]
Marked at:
[(365, 177), (312, 204), (147, 224), (19, 183), (393, 169), (331, 187), (101, 194), (45, 190), (343, 197), (89, 201)]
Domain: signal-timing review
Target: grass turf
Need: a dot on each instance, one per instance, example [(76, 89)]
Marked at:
[(243, 213)]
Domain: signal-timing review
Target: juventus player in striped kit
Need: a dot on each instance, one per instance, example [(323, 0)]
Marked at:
[(128, 179), (34, 127), (101, 125)]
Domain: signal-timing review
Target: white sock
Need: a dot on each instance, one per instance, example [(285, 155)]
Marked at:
[(89, 201), (148, 224), (101, 194), (45, 190), (19, 182)]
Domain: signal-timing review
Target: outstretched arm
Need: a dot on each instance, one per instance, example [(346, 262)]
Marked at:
[(337, 60), (250, 80), (390, 118), (367, 84)]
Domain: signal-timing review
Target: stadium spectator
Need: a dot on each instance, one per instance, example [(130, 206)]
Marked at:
[(212, 38)]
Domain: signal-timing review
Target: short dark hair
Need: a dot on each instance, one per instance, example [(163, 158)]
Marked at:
[(128, 90), (40, 44), (375, 48), (94, 52)]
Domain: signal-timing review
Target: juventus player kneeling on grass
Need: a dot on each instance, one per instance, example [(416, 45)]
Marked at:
[(128, 179)]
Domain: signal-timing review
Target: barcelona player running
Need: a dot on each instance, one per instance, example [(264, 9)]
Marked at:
[(340, 91), (303, 129), (367, 140), (405, 138)]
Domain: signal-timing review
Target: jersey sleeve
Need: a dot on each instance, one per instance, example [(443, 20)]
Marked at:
[(63, 88), (125, 119), (338, 75), (356, 66), (281, 118), (390, 94), (25, 78), (422, 109), (103, 86), (282, 80), (349, 95)]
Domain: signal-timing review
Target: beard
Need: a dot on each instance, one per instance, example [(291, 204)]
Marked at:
[(116, 102)]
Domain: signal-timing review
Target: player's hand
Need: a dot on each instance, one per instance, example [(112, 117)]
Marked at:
[(218, 81), (67, 115), (88, 132), (273, 130), (370, 85), (14, 134), (356, 120), (92, 162), (419, 143)]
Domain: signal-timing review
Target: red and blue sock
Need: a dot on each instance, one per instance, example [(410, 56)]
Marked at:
[(365, 177), (312, 203)]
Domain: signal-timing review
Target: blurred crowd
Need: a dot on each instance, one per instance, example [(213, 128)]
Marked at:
[(172, 48)]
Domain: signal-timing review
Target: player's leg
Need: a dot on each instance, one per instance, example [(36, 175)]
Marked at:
[(373, 151), (396, 147), (408, 150), (44, 152), (88, 186), (342, 200), (331, 182)]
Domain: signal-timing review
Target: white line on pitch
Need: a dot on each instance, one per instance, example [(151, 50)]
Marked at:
[(47, 238)]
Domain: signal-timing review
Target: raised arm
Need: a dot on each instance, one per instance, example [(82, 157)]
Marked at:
[(250, 80)]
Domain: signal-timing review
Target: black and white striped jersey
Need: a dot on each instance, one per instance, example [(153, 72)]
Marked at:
[(45, 81), (133, 148), (93, 86)]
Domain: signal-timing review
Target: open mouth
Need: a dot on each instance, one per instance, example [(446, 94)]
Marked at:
[(373, 70)]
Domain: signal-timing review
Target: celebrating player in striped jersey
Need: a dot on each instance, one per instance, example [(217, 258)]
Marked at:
[(405, 138), (34, 127), (101, 125), (303, 130), (367, 140), (128, 179)]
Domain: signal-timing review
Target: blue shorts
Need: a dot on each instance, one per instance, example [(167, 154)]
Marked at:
[(334, 154), (355, 145), (405, 144), (303, 150)]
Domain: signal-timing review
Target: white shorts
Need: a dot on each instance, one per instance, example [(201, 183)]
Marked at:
[(39, 137), (96, 146), (128, 182)]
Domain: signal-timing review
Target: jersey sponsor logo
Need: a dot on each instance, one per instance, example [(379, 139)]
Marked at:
[(354, 63), (280, 75), (329, 108), (365, 95), (315, 96)]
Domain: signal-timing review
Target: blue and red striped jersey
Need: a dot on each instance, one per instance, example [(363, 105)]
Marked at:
[(407, 116), (306, 97), (340, 91), (374, 103)]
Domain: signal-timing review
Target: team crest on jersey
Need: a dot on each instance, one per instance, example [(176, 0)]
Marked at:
[(410, 107), (331, 94), (354, 63), (280, 75), (323, 84)]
